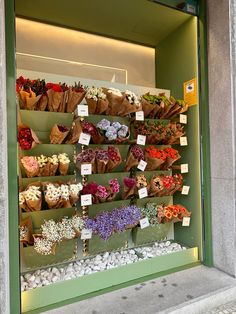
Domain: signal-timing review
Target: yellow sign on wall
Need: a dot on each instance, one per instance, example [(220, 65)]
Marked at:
[(190, 92)]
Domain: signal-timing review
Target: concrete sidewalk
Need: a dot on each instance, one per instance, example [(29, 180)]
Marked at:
[(196, 290)]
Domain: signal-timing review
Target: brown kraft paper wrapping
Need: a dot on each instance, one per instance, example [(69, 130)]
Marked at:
[(55, 100), (74, 99), (57, 136), (63, 168), (75, 132), (102, 106)]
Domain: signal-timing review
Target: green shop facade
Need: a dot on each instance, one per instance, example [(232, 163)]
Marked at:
[(177, 36)]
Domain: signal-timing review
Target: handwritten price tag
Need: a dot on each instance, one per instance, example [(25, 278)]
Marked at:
[(86, 200), (186, 222), (86, 234), (86, 169), (141, 139), (82, 110), (142, 165), (185, 190), (84, 139), (139, 116), (183, 118), (142, 193), (144, 223), (184, 168), (183, 141)]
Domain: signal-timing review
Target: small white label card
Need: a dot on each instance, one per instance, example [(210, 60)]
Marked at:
[(142, 193), (141, 139), (86, 200), (84, 138), (186, 222), (185, 190), (86, 169), (144, 223), (142, 165), (183, 118), (139, 116), (86, 234), (184, 168), (83, 110), (183, 141)]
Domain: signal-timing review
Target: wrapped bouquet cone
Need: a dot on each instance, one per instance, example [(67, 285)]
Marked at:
[(34, 204), (63, 168), (147, 107), (92, 105), (45, 170), (30, 166), (129, 188), (152, 162), (55, 100), (53, 203), (126, 108), (26, 230), (75, 132), (101, 165), (102, 106), (74, 99), (42, 103), (58, 134), (114, 159), (26, 137), (52, 169), (156, 186), (115, 99), (131, 162)]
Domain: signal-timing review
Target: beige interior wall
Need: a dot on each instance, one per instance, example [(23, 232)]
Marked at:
[(56, 42)]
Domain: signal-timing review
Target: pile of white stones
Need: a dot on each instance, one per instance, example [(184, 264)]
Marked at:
[(44, 277)]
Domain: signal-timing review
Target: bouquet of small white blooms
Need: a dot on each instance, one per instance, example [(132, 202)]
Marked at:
[(43, 165), (52, 195), (74, 192), (44, 246), (115, 98), (26, 229), (31, 199), (65, 229), (65, 196), (78, 224), (64, 162), (96, 100), (130, 104), (52, 165)]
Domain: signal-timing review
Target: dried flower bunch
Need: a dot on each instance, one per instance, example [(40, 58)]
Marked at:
[(118, 220), (56, 232), (102, 160), (42, 96), (100, 193), (157, 132), (43, 166), (162, 107), (159, 214), (55, 195)]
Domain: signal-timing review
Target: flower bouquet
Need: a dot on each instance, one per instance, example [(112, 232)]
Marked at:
[(86, 157), (75, 94), (31, 94), (64, 163), (56, 97), (171, 156), (31, 199), (114, 158), (154, 131), (26, 137), (115, 99), (26, 229), (90, 128), (154, 158), (171, 107), (173, 133), (173, 213), (96, 100), (134, 156), (150, 105), (113, 132), (58, 134), (129, 188), (131, 103), (170, 184), (30, 166)]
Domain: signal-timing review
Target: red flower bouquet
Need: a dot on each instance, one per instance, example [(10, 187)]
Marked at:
[(26, 137)]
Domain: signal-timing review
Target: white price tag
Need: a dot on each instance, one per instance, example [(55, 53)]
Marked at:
[(86, 200), (84, 138), (184, 168), (142, 193), (185, 190), (86, 234), (183, 118), (139, 116), (82, 110), (141, 139), (142, 165), (186, 222), (144, 223), (183, 141), (86, 169)]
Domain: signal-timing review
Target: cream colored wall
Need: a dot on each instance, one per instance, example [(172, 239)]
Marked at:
[(56, 42)]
